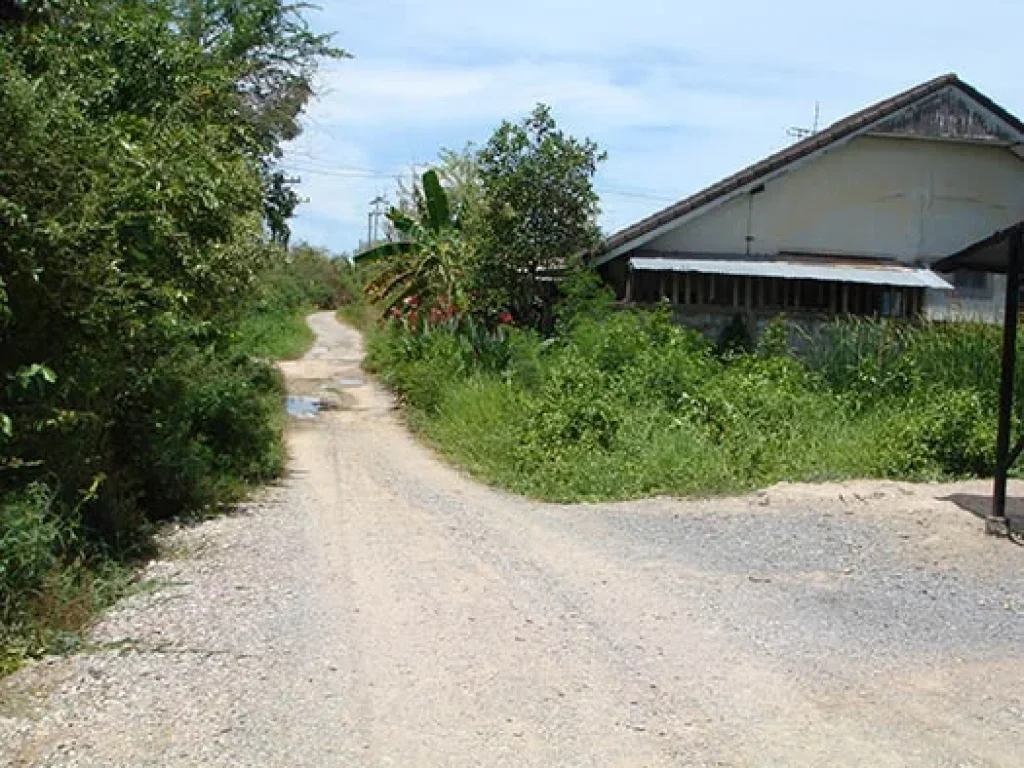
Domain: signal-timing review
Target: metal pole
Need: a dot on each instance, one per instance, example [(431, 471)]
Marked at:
[(996, 523)]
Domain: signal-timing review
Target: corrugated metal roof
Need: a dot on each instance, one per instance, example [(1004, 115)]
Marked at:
[(875, 274)]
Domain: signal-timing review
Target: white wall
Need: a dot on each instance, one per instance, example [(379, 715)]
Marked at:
[(914, 200)]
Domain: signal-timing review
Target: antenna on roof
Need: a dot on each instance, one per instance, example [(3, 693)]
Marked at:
[(803, 133)]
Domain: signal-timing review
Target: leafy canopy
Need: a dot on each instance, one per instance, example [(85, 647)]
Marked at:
[(538, 208)]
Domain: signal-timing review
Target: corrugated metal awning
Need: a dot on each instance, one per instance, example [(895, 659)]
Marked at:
[(842, 272)]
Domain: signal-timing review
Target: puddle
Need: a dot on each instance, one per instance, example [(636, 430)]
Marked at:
[(303, 407)]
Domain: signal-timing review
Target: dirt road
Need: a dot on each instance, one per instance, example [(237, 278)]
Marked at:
[(379, 608)]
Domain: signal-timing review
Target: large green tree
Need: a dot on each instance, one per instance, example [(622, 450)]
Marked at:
[(135, 184), (538, 210)]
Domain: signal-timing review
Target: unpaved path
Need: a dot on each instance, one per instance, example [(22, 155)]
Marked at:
[(379, 608)]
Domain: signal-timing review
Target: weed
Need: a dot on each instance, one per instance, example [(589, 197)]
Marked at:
[(623, 405)]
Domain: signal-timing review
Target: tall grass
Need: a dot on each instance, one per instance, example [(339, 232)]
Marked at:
[(630, 405)]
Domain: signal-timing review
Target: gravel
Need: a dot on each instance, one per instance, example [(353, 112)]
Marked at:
[(379, 608)]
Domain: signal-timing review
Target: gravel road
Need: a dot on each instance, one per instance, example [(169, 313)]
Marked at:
[(380, 608)]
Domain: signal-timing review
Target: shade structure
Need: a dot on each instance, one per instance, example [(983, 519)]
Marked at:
[(999, 253), (819, 268)]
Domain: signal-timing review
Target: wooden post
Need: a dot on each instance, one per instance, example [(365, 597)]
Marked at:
[(711, 289), (760, 291), (661, 286), (832, 299), (796, 294), (846, 298), (629, 287), (748, 294), (700, 288), (675, 289), (686, 288), (735, 293)]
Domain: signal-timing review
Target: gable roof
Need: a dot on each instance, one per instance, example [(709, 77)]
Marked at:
[(878, 115)]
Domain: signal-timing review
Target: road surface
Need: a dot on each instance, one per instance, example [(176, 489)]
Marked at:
[(379, 608)]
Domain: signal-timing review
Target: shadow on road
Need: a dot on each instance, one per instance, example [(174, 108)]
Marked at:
[(980, 505)]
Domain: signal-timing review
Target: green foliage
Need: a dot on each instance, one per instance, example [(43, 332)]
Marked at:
[(431, 260), (136, 268), (624, 404), (538, 209)]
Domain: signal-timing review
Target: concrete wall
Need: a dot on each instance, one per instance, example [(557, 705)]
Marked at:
[(910, 199)]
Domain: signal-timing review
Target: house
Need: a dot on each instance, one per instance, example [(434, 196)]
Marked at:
[(846, 221)]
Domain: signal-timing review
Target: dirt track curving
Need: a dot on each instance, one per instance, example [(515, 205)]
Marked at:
[(379, 608)]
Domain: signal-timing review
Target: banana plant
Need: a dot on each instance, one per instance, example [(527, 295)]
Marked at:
[(430, 259)]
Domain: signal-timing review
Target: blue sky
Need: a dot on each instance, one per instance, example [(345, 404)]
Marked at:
[(679, 93)]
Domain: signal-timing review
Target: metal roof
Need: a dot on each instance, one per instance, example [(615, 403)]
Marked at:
[(844, 272), (989, 255), (845, 128)]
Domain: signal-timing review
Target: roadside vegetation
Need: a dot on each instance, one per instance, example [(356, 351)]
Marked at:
[(145, 282), (513, 360)]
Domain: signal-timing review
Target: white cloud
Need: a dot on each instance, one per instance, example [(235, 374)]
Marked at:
[(680, 93)]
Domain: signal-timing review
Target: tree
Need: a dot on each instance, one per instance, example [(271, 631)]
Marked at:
[(538, 210), (431, 260), (459, 174), (133, 211), (272, 54)]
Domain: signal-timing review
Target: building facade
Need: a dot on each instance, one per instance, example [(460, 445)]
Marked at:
[(847, 221)]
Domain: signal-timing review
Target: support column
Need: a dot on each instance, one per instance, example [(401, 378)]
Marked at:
[(675, 289), (629, 286), (996, 524)]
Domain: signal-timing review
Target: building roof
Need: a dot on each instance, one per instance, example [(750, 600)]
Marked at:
[(992, 254), (829, 270), (857, 123)]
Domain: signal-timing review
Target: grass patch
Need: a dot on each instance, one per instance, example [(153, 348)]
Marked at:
[(276, 335), (628, 405)]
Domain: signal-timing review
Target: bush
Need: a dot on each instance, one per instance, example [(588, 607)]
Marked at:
[(627, 404)]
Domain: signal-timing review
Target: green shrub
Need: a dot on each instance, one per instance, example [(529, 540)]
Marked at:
[(32, 542), (627, 404)]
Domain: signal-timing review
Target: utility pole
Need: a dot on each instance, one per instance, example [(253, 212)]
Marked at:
[(374, 217)]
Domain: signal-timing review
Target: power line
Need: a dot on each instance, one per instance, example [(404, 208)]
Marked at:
[(358, 172)]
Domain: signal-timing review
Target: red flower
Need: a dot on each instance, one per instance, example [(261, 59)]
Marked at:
[(505, 318)]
